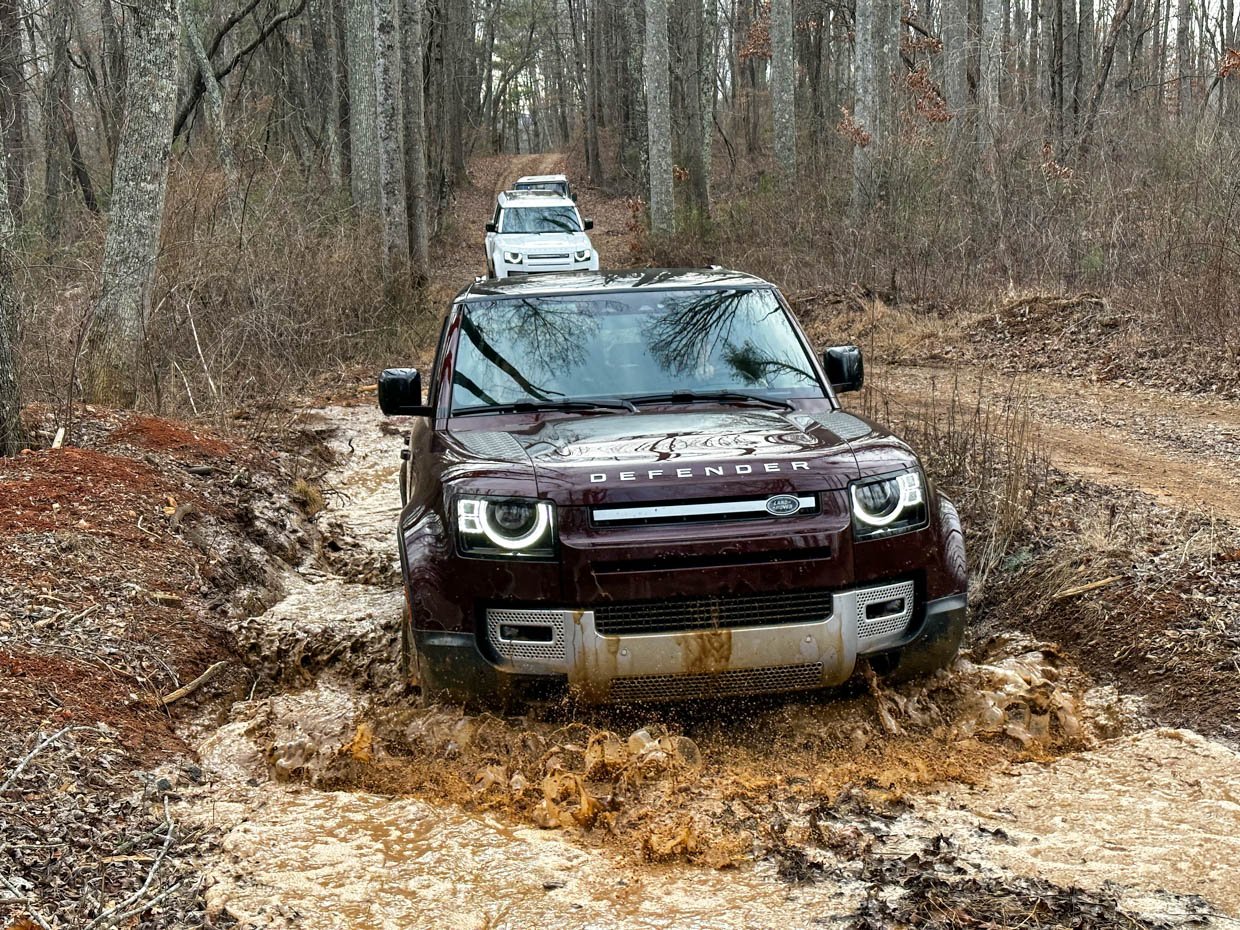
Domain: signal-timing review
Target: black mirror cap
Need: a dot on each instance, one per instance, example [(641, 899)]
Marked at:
[(845, 368), (491, 227), (400, 393), (588, 224), (574, 196)]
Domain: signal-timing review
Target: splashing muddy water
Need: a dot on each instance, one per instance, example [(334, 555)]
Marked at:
[(341, 805)]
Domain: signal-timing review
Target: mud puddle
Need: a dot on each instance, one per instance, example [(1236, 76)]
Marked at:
[(1009, 786)]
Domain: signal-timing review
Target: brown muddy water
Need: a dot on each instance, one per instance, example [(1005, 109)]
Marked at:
[(340, 804)]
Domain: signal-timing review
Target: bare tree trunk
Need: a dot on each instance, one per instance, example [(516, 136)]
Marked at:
[(956, 54), (989, 94), (1118, 21), (783, 90), (865, 102), (1085, 70), (215, 105), (12, 434), (1184, 66), (417, 208), (118, 325), (324, 89), (12, 103), (363, 108), (391, 153), (55, 99), (707, 87), (659, 119)]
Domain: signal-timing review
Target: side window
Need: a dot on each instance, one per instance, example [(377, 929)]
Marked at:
[(495, 218), (432, 395)]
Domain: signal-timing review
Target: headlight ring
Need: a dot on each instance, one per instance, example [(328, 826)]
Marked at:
[(505, 526), (513, 258), (888, 504)]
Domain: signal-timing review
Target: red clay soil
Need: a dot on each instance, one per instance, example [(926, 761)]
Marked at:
[(51, 692), (161, 435), (117, 561), (58, 489)]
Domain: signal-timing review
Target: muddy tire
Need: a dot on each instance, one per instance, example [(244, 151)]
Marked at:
[(408, 655), (935, 649)]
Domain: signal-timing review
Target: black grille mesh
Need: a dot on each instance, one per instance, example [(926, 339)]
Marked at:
[(711, 613), (732, 682)]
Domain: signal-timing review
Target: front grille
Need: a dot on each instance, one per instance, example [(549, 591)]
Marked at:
[(712, 613), (730, 683), (548, 257)]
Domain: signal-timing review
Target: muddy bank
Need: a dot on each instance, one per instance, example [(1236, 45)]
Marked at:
[(1011, 786)]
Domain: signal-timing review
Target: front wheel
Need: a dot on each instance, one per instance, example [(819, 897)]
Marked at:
[(936, 648)]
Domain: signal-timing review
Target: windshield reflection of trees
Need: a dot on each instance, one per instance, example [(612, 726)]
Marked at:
[(542, 345), (700, 327), (532, 220), (545, 338)]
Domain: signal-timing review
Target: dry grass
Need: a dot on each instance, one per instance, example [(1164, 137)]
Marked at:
[(249, 304), (984, 452)]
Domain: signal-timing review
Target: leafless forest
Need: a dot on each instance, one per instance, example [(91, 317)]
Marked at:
[(220, 218), (205, 201)]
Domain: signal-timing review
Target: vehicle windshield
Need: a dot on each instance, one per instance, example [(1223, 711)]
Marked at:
[(621, 345), (539, 220), (558, 187)]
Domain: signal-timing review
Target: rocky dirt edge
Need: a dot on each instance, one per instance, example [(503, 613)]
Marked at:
[(132, 556)]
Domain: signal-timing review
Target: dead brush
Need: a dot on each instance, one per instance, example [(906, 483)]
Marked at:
[(984, 452)]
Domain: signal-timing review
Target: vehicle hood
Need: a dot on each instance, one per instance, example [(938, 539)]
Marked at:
[(669, 456), (542, 242)]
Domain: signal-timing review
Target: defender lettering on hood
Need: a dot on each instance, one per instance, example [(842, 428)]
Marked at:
[(704, 471), (641, 485)]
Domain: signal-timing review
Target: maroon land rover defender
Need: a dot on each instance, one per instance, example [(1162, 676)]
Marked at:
[(642, 484)]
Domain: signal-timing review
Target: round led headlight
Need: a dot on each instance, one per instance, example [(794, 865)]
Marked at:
[(498, 526), (582, 255), (513, 258), (891, 503)]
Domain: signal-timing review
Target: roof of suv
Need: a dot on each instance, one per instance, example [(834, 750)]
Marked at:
[(538, 198), (578, 282), (541, 178)]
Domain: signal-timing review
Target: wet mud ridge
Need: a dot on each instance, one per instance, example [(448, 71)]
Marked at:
[(1007, 792)]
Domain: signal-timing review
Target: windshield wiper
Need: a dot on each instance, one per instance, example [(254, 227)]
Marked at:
[(538, 406), (712, 397)]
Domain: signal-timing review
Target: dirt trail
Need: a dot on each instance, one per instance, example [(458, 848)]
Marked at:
[(1161, 823), (1180, 449), (972, 803)]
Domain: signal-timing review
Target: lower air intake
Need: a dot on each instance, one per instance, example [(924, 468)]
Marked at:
[(730, 683)]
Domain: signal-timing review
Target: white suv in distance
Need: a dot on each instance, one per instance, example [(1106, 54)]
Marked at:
[(545, 182), (537, 231)]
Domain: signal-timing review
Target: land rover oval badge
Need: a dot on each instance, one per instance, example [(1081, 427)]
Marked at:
[(783, 505)]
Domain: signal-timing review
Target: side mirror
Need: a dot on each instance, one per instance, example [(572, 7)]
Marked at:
[(400, 393), (588, 224), (491, 227), (845, 368), (574, 196)]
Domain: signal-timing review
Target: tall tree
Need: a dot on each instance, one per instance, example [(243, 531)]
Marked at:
[(991, 70), (388, 127), (363, 107), (55, 101), (1183, 58), (12, 435), (140, 179), (12, 102), (866, 97), (956, 53), (417, 208), (659, 120), (783, 89)]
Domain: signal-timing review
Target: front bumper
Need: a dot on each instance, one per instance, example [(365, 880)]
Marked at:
[(690, 664)]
